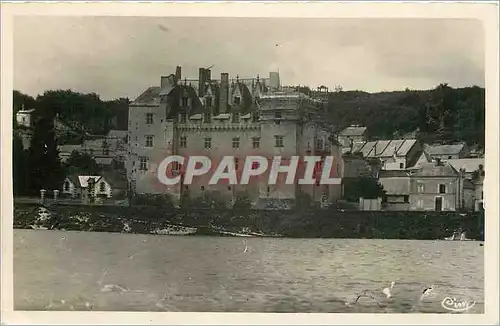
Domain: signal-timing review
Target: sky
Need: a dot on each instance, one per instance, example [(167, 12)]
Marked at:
[(122, 56)]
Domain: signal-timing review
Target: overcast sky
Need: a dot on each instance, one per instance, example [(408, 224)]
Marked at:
[(122, 56)]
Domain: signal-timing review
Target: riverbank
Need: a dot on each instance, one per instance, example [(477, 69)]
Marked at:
[(314, 223)]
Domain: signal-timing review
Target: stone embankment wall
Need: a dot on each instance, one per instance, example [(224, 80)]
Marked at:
[(315, 223)]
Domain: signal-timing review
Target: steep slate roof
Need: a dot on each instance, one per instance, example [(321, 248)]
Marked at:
[(469, 164), (383, 148), (353, 131), (444, 149), (149, 97)]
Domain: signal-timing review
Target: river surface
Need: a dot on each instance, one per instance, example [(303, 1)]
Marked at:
[(61, 270)]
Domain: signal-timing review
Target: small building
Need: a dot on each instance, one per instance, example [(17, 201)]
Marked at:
[(77, 186), (352, 134), (24, 118), (438, 186), (447, 152), (396, 185)]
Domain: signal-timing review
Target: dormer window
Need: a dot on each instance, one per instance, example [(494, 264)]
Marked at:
[(184, 102), (237, 100), (207, 117), (183, 117)]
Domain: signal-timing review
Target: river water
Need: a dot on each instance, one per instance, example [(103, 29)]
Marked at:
[(61, 270)]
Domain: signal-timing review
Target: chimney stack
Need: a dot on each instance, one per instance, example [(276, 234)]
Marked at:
[(178, 73), (203, 78), (224, 92)]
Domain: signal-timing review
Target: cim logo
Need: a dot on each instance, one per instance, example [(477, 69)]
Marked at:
[(305, 170), (457, 305)]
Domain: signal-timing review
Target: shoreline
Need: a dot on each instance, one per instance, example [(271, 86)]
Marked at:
[(314, 223)]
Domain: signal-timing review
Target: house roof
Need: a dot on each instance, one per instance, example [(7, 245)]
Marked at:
[(435, 170), (63, 149), (393, 173), (148, 97), (444, 149), (353, 131), (384, 148), (469, 164)]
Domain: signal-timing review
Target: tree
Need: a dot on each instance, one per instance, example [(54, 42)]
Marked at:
[(363, 187), (45, 170), (82, 163), (19, 166)]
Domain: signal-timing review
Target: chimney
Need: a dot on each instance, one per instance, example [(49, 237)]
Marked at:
[(203, 77), (224, 92), (274, 80), (178, 73)]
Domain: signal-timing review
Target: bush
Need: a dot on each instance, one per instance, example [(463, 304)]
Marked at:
[(153, 200)]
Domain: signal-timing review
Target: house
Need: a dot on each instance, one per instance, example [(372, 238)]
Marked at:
[(438, 186), (24, 118), (396, 185), (447, 152), (395, 154), (352, 134), (77, 186)]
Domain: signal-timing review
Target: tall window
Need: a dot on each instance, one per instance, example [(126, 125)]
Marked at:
[(183, 142), (401, 165), (442, 189), (255, 117), (319, 143), (255, 142), (208, 102), (421, 188), (143, 163), (149, 141), (184, 102), (149, 118), (236, 117), (207, 117), (236, 142), (102, 187), (278, 141), (183, 117), (237, 100), (208, 142)]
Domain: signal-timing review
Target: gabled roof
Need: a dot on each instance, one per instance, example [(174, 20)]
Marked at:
[(82, 181), (469, 164), (444, 149), (384, 148), (149, 97), (435, 170)]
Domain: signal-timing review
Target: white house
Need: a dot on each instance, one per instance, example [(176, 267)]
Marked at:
[(24, 118), (77, 186)]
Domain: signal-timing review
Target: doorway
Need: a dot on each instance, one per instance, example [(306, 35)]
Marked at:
[(438, 204)]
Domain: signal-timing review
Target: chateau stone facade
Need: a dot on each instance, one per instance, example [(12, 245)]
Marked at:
[(216, 118)]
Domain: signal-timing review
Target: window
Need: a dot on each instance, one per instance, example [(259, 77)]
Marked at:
[(319, 143), (183, 142), (149, 118), (268, 190), (66, 186), (255, 142), (406, 198), (236, 117), (237, 100), (202, 188), (420, 203), (255, 117), (278, 141), (442, 189), (149, 141), (236, 142), (102, 187), (450, 157), (208, 102), (184, 102), (401, 165), (143, 163), (183, 117), (176, 166), (208, 142), (236, 163), (207, 117), (482, 195), (421, 188), (105, 151), (278, 115)]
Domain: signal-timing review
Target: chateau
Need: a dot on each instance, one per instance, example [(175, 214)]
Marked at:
[(216, 118)]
